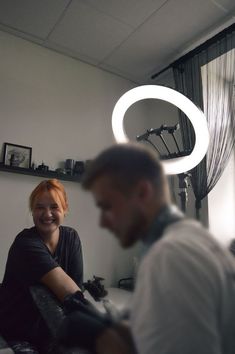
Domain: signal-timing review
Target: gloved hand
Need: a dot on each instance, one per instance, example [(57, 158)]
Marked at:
[(82, 326), (77, 302), (72, 301)]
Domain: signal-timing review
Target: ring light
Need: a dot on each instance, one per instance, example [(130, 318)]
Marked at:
[(196, 116)]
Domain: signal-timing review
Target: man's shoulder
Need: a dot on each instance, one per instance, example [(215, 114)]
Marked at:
[(186, 231), (187, 242), (188, 223), (180, 238)]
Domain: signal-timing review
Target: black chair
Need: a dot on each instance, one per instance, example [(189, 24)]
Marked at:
[(16, 347)]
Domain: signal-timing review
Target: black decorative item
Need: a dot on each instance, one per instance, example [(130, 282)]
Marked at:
[(42, 167), (17, 155), (69, 165), (79, 168)]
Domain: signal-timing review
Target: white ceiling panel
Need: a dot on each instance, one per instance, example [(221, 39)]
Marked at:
[(71, 53), (32, 16), (225, 5), (132, 12), (131, 38), (89, 32), (166, 33)]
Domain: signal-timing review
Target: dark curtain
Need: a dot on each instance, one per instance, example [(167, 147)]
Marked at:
[(207, 77)]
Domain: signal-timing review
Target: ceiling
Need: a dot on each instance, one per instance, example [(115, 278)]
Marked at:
[(131, 38)]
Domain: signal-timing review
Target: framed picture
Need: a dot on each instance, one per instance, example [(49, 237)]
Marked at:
[(17, 155)]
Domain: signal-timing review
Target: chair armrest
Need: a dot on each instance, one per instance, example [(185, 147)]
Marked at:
[(49, 307), (53, 314)]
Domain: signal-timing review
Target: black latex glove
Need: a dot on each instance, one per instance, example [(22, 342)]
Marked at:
[(82, 327), (77, 302), (72, 301)]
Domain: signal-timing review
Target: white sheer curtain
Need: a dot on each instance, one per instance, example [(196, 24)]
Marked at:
[(207, 77), (218, 86)]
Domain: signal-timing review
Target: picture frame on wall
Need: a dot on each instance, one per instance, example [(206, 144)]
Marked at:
[(17, 155)]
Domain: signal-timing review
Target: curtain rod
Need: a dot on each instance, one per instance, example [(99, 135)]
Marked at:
[(196, 50)]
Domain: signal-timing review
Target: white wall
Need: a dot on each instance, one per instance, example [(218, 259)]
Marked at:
[(221, 205), (62, 109)]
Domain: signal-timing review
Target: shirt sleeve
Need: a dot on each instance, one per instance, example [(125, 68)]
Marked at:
[(75, 270), (173, 307), (29, 259)]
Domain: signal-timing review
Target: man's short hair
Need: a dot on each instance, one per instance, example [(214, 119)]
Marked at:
[(126, 164)]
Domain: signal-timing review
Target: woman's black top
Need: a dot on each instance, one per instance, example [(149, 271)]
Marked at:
[(28, 261)]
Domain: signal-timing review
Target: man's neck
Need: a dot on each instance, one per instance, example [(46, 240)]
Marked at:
[(164, 216)]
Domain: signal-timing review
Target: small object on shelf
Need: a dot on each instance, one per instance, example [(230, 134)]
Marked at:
[(79, 168), (60, 171), (87, 163), (42, 167), (69, 165)]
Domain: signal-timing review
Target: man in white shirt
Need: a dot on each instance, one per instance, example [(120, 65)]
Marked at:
[(184, 299)]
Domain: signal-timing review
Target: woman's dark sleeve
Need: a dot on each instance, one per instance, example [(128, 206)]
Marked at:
[(28, 259), (76, 263)]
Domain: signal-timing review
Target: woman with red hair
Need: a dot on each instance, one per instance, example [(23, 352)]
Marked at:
[(47, 253)]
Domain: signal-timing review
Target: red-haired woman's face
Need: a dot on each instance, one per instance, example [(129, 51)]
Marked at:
[(48, 214)]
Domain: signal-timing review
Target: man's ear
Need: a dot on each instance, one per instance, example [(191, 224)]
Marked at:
[(144, 190)]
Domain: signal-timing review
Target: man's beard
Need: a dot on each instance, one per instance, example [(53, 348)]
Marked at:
[(135, 231)]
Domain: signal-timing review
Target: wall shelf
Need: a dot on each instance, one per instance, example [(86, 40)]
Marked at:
[(46, 174)]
